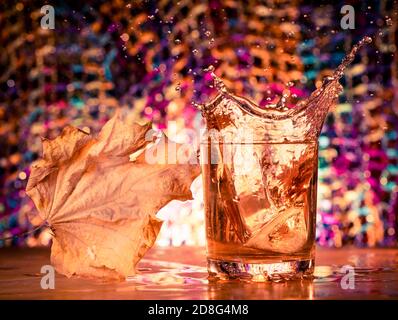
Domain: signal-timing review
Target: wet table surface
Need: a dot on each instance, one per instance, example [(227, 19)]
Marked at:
[(180, 273)]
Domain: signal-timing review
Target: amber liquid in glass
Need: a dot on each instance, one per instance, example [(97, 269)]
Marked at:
[(260, 205)]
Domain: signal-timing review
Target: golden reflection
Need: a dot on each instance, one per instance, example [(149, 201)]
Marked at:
[(300, 289)]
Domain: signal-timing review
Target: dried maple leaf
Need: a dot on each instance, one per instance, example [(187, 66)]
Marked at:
[(101, 204)]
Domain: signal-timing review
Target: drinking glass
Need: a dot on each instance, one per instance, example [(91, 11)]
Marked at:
[(260, 208)]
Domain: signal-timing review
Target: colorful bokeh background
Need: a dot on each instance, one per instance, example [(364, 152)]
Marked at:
[(148, 58)]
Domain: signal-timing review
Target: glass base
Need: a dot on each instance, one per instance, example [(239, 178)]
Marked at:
[(260, 272)]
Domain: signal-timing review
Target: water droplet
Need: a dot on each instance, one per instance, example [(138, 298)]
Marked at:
[(209, 69), (290, 84), (177, 41), (10, 83), (195, 51), (125, 37), (199, 107)]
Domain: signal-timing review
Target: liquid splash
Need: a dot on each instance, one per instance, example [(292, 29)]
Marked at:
[(277, 123)]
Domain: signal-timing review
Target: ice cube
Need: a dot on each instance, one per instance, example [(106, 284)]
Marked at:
[(286, 233)]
